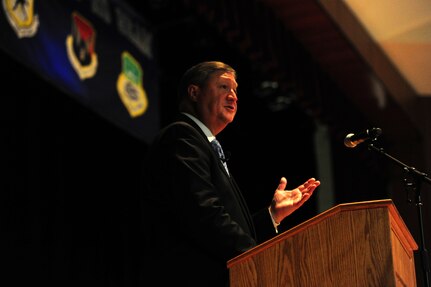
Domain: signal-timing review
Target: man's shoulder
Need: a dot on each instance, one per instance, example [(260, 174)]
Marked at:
[(181, 127), (181, 124)]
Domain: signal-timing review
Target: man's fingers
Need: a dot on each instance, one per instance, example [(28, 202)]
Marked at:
[(282, 184), (311, 184)]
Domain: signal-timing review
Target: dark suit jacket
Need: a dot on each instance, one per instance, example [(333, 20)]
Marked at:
[(195, 218)]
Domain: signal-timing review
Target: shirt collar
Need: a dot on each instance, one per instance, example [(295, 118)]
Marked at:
[(206, 130)]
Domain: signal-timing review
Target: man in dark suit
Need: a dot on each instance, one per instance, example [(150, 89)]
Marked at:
[(195, 218)]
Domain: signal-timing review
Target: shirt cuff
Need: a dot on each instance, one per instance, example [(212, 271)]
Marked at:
[(276, 224)]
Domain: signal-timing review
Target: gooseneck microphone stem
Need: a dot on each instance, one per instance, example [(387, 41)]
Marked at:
[(419, 178)]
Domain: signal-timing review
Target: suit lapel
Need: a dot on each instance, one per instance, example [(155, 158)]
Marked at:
[(236, 190)]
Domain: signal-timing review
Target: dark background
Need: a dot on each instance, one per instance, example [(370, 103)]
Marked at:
[(70, 213)]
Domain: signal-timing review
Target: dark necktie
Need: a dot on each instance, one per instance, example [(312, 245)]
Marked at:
[(217, 147)]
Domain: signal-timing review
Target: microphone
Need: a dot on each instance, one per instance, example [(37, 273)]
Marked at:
[(352, 140)]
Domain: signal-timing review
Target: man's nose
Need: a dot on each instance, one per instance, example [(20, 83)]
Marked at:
[(232, 95)]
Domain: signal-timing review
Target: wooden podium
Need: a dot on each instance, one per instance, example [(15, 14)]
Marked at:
[(354, 244)]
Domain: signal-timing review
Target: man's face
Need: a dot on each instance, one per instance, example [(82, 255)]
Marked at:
[(217, 101)]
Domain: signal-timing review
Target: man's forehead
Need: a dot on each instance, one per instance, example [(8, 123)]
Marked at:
[(227, 76)]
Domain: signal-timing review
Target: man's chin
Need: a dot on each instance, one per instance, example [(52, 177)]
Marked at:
[(229, 119)]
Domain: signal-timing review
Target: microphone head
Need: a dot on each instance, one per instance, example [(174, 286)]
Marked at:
[(352, 140), (348, 142)]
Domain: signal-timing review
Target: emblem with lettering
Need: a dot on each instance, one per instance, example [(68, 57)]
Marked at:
[(21, 16), (81, 45), (130, 86)]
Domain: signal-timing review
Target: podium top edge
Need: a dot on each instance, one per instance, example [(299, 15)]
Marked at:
[(382, 203)]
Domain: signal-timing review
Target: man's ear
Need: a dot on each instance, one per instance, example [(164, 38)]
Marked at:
[(193, 91)]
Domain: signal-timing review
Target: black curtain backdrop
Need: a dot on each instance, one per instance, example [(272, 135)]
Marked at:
[(69, 189)]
